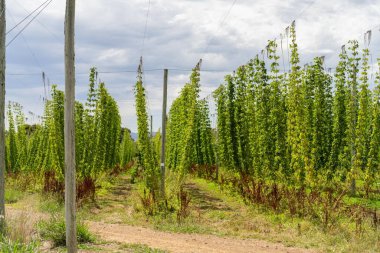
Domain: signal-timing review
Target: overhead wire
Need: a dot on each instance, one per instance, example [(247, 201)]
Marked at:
[(33, 56), (26, 26), (287, 35), (223, 20), (173, 69), (41, 24), (30, 14), (143, 48), (27, 44), (145, 28), (287, 30), (128, 71)]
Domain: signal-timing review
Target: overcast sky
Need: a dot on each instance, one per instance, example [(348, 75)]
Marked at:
[(109, 35)]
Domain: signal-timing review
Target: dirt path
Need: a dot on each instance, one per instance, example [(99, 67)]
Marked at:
[(184, 243), (172, 242), (179, 242)]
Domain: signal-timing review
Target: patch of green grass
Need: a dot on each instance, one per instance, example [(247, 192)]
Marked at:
[(8, 246), (188, 226), (90, 247), (140, 248), (12, 196), (105, 183), (51, 204), (54, 230)]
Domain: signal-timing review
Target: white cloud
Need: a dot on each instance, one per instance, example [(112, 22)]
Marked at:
[(109, 35)]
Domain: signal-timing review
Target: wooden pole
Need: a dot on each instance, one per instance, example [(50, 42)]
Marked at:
[(163, 130), (70, 184), (2, 116)]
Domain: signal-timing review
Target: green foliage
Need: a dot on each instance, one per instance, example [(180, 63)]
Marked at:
[(352, 107), (321, 121), (222, 147), (277, 118), (12, 196), (156, 142), (98, 145), (189, 133), (127, 148), (107, 134), (364, 121), (373, 166), (336, 161), (8, 246), (12, 143), (145, 148), (233, 134), (54, 158), (39, 149), (263, 159), (291, 130), (54, 230), (204, 138), (298, 144)]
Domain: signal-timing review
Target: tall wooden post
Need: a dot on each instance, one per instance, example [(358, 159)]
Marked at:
[(163, 130), (2, 115), (70, 184)]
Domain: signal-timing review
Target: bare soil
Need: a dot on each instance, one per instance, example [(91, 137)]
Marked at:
[(185, 243), (111, 233)]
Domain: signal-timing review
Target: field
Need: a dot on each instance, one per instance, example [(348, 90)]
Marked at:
[(218, 221), (291, 165)]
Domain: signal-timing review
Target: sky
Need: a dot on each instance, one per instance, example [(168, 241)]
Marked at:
[(224, 33)]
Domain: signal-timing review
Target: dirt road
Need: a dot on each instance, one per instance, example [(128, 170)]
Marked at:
[(185, 243), (172, 242)]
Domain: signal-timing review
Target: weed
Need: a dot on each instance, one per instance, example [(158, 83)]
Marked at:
[(19, 235), (51, 203), (55, 230), (184, 201), (86, 189), (148, 202), (140, 248), (12, 196), (20, 229), (9, 246)]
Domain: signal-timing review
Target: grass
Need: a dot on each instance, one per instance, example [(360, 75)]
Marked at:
[(140, 248), (224, 213), (9, 246), (50, 204), (257, 222), (12, 196), (54, 230), (20, 228), (212, 211), (19, 236)]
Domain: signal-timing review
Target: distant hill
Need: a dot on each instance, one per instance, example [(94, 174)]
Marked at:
[(134, 135)]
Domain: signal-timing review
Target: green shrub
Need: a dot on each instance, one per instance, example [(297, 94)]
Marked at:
[(55, 230), (12, 196), (9, 246)]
